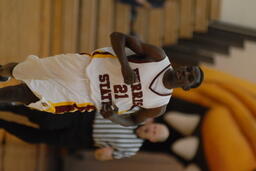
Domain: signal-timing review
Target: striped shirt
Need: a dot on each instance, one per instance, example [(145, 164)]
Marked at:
[(122, 139)]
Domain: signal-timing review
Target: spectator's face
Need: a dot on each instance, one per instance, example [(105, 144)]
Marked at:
[(153, 132)]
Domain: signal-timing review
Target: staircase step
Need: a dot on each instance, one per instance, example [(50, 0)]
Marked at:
[(190, 54), (244, 32), (208, 46), (220, 39), (182, 59)]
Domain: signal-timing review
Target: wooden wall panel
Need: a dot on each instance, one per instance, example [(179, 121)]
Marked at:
[(70, 20), (215, 9), (56, 27), (24, 29), (201, 15), (29, 28), (2, 135), (186, 19), (20, 29), (155, 27), (105, 22), (88, 27), (8, 30), (43, 158), (19, 156), (171, 22), (141, 24), (122, 17), (45, 27)]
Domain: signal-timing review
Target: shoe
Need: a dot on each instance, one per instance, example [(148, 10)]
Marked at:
[(3, 79)]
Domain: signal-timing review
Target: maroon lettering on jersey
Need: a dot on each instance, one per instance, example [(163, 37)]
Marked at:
[(138, 102), (120, 91), (104, 78), (137, 73), (105, 90), (105, 94), (137, 94), (136, 87)]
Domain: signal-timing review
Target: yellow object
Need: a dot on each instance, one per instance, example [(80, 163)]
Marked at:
[(226, 149), (229, 128)]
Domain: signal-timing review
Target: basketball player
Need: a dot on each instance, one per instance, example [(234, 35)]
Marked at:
[(128, 83)]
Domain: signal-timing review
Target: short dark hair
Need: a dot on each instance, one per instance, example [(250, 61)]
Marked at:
[(198, 82)]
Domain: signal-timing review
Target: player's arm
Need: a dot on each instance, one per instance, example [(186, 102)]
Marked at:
[(108, 112), (150, 52)]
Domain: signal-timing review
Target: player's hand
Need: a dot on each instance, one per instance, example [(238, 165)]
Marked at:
[(129, 75), (107, 110), (104, 154)]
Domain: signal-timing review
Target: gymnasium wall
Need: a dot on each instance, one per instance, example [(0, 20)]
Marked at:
[(239, 12)]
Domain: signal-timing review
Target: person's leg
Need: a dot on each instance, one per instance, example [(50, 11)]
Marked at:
[(45, 120), (50, 121), (30, 134), (63, 137), (19, 93)]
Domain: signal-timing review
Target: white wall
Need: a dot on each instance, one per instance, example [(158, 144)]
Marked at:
[(241, 62), (242, 12)]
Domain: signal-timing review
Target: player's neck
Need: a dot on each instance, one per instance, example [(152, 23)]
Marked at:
[(167, 79)]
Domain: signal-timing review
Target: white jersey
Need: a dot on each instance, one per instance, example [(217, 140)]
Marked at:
[(59, 82), (107, 84), (70, 82)]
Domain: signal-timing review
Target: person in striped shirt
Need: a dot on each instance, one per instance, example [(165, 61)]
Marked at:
[(116, 141), (84, 131)]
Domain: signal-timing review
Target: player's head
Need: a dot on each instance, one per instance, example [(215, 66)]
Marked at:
[(154, 132), (188, 77)]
